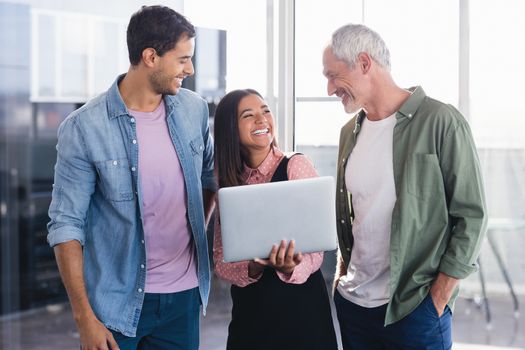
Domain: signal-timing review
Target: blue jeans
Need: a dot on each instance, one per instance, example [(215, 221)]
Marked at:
[(167, 321), (363, 328)]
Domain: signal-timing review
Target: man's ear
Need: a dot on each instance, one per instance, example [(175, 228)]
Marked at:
[(364, 62), (149, 56)]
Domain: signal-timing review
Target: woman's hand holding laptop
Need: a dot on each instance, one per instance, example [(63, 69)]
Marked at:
[(282, 258)]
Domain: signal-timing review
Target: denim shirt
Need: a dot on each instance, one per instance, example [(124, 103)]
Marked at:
[(96, 198)]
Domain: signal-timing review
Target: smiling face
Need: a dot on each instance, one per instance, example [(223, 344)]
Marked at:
[(343, 82), (173, 67), (255, 125)]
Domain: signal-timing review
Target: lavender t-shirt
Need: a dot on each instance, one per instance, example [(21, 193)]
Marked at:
[(170, 253)]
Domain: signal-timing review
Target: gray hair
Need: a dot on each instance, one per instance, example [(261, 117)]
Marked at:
[(352, 39)]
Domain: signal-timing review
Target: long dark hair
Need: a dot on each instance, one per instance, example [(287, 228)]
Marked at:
[(229, 156)]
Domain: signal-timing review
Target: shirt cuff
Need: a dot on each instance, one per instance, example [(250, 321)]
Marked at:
[(244, 278), (298, 275), (456, 269), (65, 234)]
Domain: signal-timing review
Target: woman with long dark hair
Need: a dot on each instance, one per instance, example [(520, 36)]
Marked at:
[(280, 302)]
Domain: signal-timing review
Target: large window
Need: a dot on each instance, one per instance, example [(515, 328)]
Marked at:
[(246, 45), (75, 56), (496, 73), (423, 47)]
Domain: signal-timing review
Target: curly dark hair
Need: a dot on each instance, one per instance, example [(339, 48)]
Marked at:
[(157, 27)]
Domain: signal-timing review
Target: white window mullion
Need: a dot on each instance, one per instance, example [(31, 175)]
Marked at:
[(58, 57), (286, 94), (34, 54), (270, 50), (464, 59), (90, 58)]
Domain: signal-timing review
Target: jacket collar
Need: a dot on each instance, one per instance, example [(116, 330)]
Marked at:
[(117, 107), (411, 105), (407, 110)]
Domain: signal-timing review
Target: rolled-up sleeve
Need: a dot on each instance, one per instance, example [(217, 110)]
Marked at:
[(73, 186)]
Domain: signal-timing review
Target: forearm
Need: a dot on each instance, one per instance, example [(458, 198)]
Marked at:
[(93, 334), (442, 288), (70, 264)]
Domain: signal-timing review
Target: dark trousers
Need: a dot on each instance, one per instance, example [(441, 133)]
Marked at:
[(167, 321), (363, 328)]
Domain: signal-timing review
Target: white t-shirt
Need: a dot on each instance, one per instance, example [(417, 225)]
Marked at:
[(369, 177)]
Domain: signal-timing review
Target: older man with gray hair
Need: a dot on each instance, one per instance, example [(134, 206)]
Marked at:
[(410, 202)]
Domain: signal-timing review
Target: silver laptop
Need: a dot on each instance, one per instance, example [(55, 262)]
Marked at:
[(253, 217)]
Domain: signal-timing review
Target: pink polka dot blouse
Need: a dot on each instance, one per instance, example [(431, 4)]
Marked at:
[(299, 167)]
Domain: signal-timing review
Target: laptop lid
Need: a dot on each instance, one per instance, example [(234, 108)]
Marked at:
[(254, 217)]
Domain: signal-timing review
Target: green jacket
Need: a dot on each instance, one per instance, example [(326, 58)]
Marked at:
[(439, 218)]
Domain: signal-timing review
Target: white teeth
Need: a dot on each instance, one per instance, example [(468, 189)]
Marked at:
[(260, 131)]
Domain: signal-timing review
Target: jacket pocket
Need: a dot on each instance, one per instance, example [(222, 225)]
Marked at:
[(115, 179), (424, 176)]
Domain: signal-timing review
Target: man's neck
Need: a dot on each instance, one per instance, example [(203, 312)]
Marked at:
[(137, 93), (388, 99)]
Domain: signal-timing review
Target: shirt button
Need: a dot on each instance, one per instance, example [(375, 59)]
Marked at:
[(133, 168), (140, 290), (341, 190), (342, 221), (142, 241), (132, 120), (347, 249), (134, 141), (115, 162), (141, 266)]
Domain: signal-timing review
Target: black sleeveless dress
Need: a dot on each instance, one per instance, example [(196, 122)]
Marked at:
[(273, 315)]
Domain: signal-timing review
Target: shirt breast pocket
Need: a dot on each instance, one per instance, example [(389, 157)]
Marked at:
[(197, 151), (115, 179), (424, 176)]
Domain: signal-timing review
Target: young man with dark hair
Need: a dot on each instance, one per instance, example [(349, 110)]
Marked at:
[(132, 195)]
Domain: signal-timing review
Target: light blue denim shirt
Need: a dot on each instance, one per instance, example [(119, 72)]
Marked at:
[(96, 197)]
